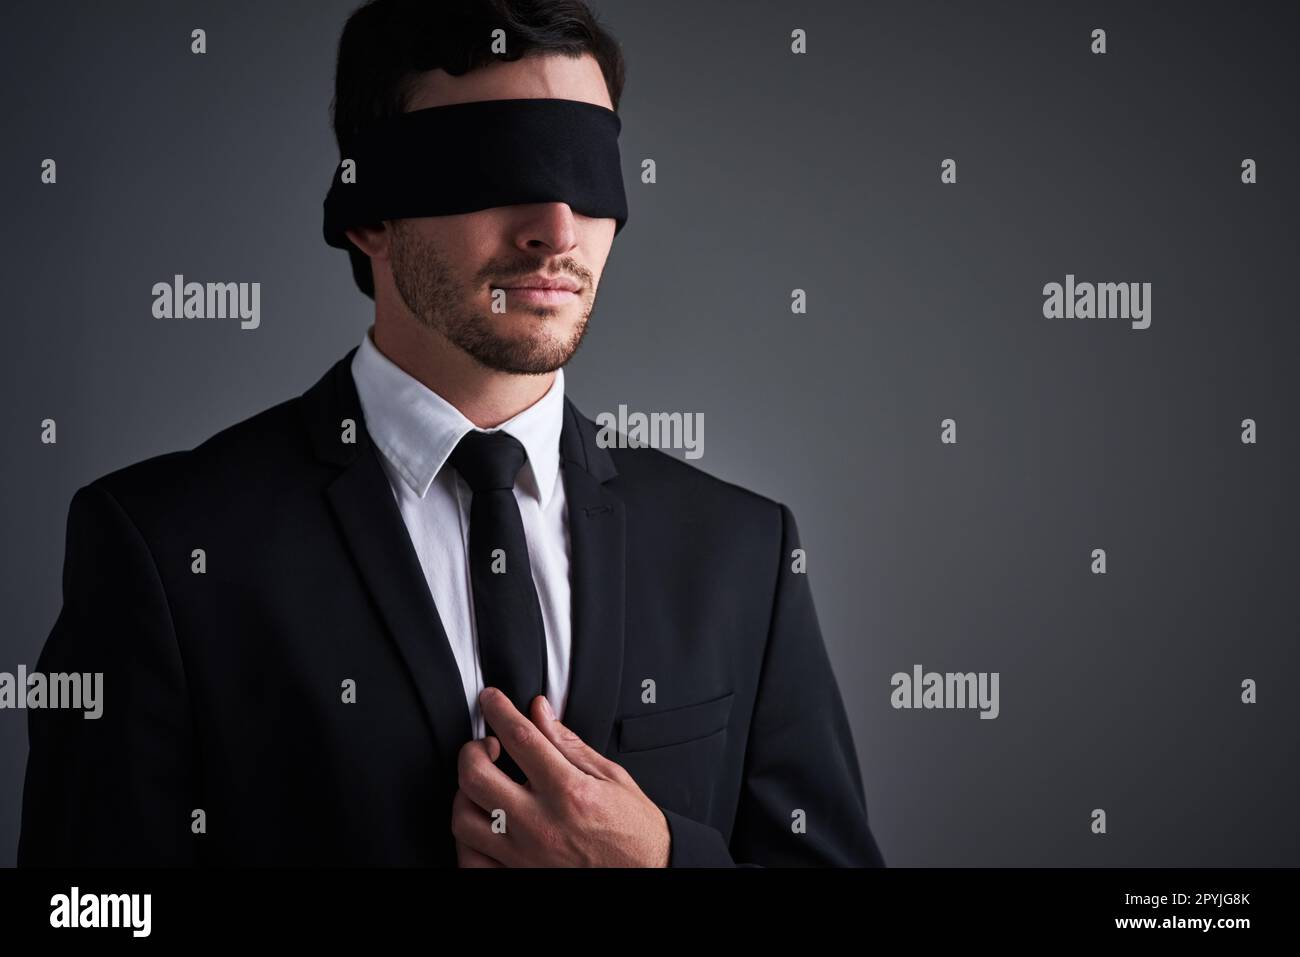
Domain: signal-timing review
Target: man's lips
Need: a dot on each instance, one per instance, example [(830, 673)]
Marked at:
[(543, 290), (543, 282), (542, 296)]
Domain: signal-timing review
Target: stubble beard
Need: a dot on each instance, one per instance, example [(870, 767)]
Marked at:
[(427, 286)]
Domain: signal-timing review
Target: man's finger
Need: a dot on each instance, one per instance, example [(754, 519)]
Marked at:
[(472, 826), (482, 781), (578, 753), (542, 764), (466, 856)]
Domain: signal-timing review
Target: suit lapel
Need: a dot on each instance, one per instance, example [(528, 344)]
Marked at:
[(372, 526), (596, 574)]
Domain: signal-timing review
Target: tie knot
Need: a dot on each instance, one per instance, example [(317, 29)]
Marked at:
[(488, 460)]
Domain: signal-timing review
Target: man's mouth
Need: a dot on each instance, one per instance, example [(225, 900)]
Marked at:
[(539, 294), (545, 290)]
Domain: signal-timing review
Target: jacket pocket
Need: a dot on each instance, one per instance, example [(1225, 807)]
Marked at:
[(659, 729)]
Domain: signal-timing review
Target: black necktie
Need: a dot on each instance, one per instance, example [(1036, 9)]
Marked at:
[(508, 617)]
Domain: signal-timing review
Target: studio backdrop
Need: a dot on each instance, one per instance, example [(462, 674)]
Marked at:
[(998, 298)]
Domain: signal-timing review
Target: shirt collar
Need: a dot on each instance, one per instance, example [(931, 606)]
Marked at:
[(417, 430)]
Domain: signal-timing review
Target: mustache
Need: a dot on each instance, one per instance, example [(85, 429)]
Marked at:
[(568, 268)]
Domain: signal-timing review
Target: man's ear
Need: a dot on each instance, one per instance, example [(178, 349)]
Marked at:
[(371, 240)]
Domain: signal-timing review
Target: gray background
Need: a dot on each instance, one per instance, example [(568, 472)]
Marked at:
[(778, 171)]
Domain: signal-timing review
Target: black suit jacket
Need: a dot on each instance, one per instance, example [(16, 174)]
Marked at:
[(222, 690)]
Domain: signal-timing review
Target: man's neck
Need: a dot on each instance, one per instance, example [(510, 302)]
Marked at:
[(484, 396)]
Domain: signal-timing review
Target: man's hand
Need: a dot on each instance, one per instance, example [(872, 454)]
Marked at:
[(578, 809)]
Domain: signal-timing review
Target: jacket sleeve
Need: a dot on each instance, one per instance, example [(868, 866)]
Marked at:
[(800, 755), (118, 789)]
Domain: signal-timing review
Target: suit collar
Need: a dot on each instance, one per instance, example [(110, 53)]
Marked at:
[(374, 532), (333, 398), (417, 429)]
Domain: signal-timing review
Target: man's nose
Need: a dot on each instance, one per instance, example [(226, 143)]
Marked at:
[(552, 225)]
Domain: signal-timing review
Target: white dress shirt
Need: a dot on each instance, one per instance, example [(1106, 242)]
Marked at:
[(417, 430)]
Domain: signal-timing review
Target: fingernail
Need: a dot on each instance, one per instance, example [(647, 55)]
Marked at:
[(546, 708)]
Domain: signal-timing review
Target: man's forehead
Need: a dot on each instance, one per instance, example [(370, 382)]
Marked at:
[(550, 76)]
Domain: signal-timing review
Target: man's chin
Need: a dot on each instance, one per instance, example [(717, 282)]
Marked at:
[(521, 356)]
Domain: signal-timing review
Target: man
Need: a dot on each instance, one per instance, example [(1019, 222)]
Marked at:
[(421, 614)]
